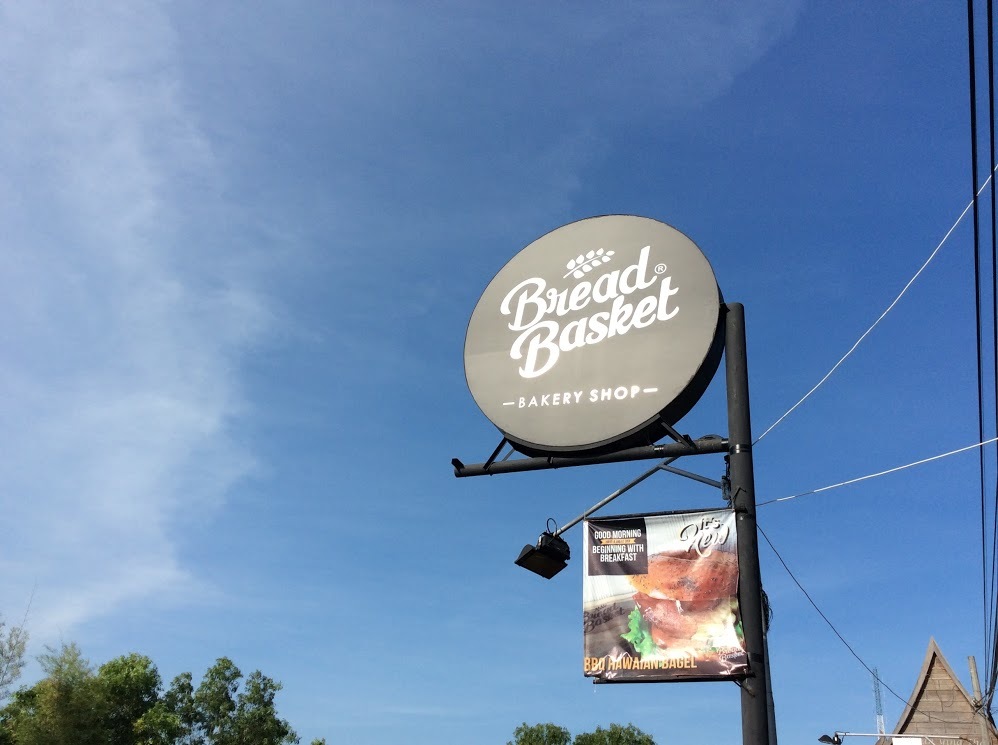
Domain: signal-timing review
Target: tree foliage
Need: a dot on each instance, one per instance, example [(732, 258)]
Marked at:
[(540, 734), (126, 689), (614, 735), (122, 703), (61, 709), (13, 642), (552, 734)]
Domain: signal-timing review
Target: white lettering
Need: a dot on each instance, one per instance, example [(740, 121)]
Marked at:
[(644, 313), (666, 292), (638, 272), (525, 300), (573, 336), (598, 328), (620, 313), (541, 339), (557, 301), (579, 298), (538, 343), (556, 398), (605, 287)]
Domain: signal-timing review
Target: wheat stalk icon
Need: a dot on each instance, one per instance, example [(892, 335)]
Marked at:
[(585, 263)]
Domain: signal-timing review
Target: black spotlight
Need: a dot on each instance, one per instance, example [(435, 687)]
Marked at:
[(833, 740), (547, 558)]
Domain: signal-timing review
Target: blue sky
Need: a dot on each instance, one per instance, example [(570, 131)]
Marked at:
[(241, 247)]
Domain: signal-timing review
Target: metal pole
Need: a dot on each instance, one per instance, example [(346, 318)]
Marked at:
[(978, 700), (755, 716), (770, 706)]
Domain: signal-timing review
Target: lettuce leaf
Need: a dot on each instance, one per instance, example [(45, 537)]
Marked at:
[(639, 635)]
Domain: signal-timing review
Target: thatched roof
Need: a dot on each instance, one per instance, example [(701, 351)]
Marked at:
[(940, 705)]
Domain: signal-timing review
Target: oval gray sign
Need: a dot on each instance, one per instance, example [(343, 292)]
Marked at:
[(593, 335)]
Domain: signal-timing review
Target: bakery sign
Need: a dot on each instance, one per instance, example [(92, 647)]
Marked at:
[(594, 335), (660, 598)]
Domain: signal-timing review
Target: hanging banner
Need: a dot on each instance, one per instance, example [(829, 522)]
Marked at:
[(660, 598)]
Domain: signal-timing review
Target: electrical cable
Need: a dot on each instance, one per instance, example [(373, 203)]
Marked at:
[(882, 315), (879, 473), (835, 630), (991, 599), (972, 62), (989, 595), (988, 575)]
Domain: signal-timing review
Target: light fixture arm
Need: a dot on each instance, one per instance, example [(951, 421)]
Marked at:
[(606, 500)]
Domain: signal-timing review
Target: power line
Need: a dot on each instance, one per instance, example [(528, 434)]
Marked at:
[(972, 59), (835, 631), (991, 597), (879, 473), (986, 352), (882, 315)]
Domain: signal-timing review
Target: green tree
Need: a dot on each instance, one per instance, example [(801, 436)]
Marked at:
[(615, 735), (127, 688), (176, 713), (13, 643), (158, 726), (215, 702), (255, 719), (12, 712), (217, 712), (540, 734), (60, 709), (121, 704)]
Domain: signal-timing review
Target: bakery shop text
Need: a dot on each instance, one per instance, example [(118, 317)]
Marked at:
[(570, 398)]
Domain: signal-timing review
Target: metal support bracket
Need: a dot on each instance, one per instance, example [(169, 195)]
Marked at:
[(693, 476), (674, 434), (495, 453), (706, 445)]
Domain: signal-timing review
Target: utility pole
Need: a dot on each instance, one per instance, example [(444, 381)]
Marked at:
[(979, 701), (755, 704), (878, 701)]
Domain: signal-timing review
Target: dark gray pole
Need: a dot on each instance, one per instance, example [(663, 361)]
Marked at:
[(755, 716)]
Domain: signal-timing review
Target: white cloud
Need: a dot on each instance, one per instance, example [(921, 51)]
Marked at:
[(127, 301), (122, 327)]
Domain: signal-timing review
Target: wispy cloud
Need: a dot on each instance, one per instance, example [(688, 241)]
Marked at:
[(127, 292), (397, 126), (121, 327)]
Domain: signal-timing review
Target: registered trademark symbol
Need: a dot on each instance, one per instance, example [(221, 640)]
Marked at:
[(660, 268)]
